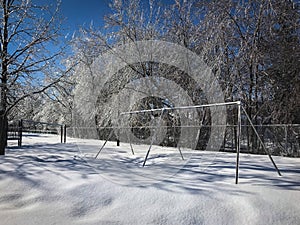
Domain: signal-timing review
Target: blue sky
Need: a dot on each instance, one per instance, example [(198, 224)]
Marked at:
[(82, 12), (78, 13)]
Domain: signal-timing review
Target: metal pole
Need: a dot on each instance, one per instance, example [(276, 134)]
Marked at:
[(180, 152), (61, 133), (238, 146), (65, 133), (131, 148), (20, 133), (286, 138), (181, 107), (129, 139), (118, 132), (104, 143), (263, 145), (153, 137)]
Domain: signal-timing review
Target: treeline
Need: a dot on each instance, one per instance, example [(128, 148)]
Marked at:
[(253, 47)]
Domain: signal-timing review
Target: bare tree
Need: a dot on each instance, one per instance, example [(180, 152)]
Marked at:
[(282, 56), (254, 45), (128, 22), (29, 55)]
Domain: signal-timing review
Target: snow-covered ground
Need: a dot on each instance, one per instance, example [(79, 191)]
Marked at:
[(46, 182)]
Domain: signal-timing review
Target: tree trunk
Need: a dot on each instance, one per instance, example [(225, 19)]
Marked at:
[(4, 77), (3, 133)]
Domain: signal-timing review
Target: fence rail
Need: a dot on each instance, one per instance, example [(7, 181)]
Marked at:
[(14, 132), (279, 139), (16, 129)]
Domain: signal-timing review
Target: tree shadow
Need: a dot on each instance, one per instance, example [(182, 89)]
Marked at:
[(192, 176), (200, 173), (28, 173), (30, 160)]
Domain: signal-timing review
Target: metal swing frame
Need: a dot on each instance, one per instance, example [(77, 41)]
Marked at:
[(239, 131)]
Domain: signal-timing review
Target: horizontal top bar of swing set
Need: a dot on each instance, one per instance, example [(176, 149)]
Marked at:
[(183, 107)]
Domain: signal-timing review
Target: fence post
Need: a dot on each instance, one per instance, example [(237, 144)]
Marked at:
[(6, 131), (61, 133), (20, 132), (286, 138), (65, 133)]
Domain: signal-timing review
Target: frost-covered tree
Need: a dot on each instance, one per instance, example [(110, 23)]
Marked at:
[(29, 58), (282, 57), (128, 22), (252, 46), (247, 44)]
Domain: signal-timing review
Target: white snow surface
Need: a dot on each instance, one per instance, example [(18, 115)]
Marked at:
[(46, 182)]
